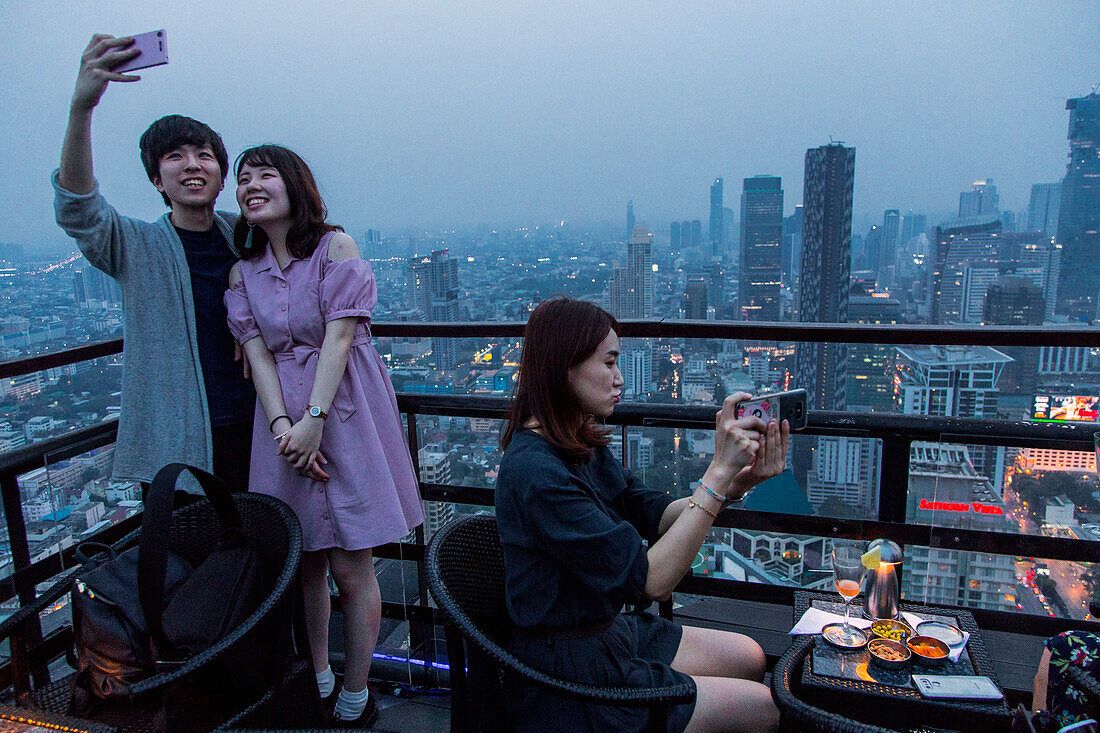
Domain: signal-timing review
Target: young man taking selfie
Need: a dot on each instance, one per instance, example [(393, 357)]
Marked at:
[(183, 396)]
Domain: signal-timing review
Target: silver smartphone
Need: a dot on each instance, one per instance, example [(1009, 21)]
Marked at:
[(957, 687), (154, 51), (790, 406)]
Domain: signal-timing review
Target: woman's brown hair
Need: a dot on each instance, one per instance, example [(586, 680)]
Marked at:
[(560, 334), (307, 209)]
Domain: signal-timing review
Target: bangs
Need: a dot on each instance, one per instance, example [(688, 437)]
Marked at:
[(269, 156)]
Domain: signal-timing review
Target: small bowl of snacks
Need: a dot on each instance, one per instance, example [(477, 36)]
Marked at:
[(888, 653), (891, 629), (928, 650)]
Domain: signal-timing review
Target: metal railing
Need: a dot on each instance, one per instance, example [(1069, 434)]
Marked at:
[(897, 432)]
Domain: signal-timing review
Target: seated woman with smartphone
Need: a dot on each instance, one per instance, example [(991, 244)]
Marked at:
[(572, 521)]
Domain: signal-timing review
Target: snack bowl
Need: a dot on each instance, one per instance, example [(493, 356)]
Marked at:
[(889, 654), (891, 629), (945, 632), (928, 650)]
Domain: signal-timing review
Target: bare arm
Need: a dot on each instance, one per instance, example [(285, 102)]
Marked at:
[(102, 54), (746, 452), (304, 439)]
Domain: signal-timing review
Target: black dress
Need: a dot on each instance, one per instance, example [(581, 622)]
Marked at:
[(573, 556)]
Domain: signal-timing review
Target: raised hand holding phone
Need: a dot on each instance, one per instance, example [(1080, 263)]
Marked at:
[(97, 68)]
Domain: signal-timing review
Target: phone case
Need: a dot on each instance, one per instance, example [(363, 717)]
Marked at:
[(957, 687), (154, 51), (765, 409)]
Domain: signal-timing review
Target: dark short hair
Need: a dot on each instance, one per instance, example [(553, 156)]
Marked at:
[(560, 334), (307, 209), (169, 133)]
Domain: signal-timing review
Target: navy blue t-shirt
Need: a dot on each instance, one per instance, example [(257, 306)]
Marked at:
[(231, 397)]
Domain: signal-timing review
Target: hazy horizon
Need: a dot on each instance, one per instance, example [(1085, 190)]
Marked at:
[(522, 113)]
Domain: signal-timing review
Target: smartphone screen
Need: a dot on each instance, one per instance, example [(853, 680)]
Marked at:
[(154, 51)]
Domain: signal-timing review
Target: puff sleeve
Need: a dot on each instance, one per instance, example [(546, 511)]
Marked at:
[(242, 324), (347, 289)]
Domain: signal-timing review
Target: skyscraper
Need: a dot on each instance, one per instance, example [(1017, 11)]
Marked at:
[(959, 245), (980, 200), (825, 269), (629, 218), (433, 290), (871, 366), (695, 299), (891, 230), (674, 236), (761, 240), (630, 289), (1042, 209), (716, 216), (792, 245), (1079, 212)]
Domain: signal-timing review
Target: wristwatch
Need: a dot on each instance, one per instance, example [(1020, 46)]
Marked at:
[(315, 411)]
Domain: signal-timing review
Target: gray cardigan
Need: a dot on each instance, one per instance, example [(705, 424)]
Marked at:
[(164, 411)]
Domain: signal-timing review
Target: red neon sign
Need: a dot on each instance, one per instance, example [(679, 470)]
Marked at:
[(951, 506)]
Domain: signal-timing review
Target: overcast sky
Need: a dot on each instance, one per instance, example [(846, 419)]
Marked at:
[(418, 114)]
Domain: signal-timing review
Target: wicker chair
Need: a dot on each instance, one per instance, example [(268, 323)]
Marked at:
[(797, 715), (465, 572), (181, 698)]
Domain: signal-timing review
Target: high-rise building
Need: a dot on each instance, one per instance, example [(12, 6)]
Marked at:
[(435, 468), (845, 469), (980, 200), (630, 289), (695, 299), (1042, 209), (1013, 301), (954, 381), (636, 365), (960, 245), (433, 290), (91, 285), (792, 245), (716, 217), (1079, 212), (1016, 301), (674, 236), (825, 269), (870, 376), (946, 491), (629, 218), (912, 225), (761, 240), (696, 233), (891, 231)]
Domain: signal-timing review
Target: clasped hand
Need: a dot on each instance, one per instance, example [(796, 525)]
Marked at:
[(301, 446), (750, 449)]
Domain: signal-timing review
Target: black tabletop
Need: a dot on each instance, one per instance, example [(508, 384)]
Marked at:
[(845, 683)]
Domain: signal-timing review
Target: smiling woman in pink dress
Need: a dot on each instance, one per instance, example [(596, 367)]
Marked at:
[(300, 304)]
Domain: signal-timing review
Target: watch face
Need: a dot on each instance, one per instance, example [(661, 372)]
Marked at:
[(315, 411)]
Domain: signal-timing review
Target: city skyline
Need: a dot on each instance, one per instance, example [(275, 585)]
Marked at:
[(528, 115)]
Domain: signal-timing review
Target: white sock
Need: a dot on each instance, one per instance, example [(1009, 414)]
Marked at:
[(350, 705), (326, 681)]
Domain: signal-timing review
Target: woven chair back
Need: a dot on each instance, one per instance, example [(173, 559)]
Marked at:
[(471, 564)]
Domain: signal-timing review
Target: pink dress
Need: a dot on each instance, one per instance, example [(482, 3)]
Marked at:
[(372, 495)]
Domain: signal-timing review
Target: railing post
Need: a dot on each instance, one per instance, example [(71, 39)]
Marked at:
[(894, 478), (24, 589), (417, 637)]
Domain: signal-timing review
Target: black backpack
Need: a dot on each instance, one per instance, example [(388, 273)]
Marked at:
[(137, 611)]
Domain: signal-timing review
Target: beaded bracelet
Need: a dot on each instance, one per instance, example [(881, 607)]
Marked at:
[(694, 505), (724, 499)]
